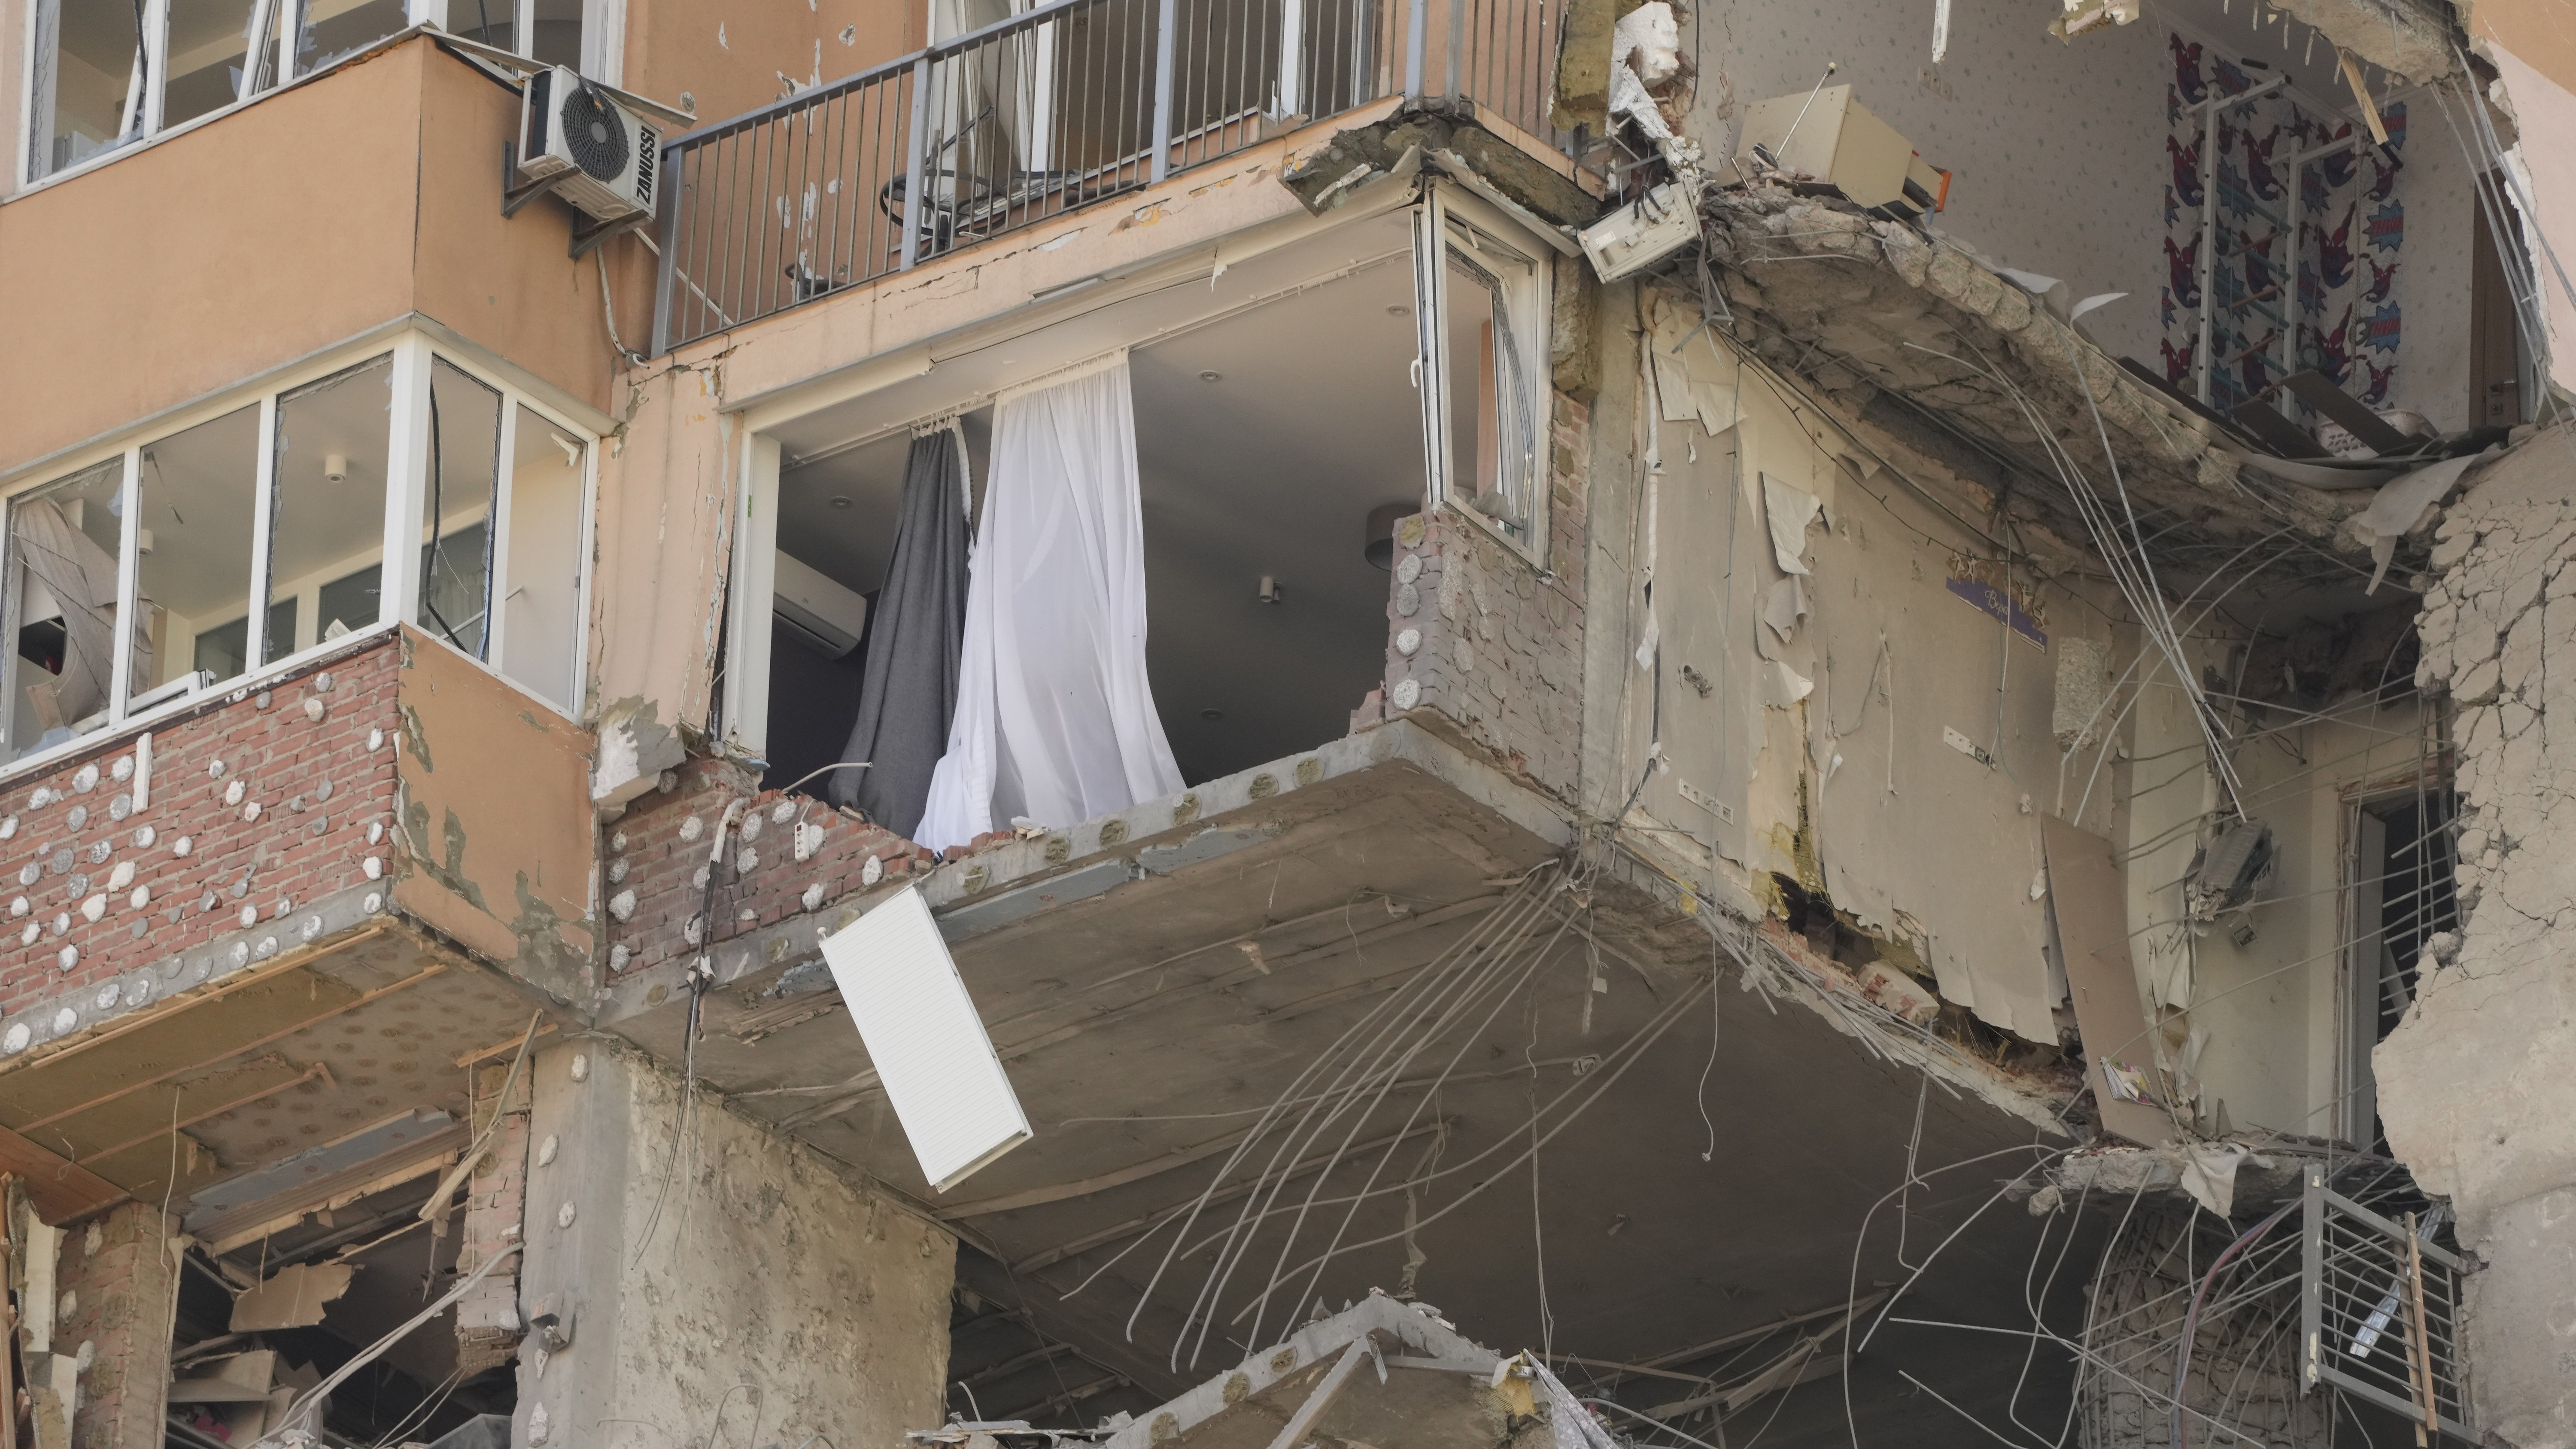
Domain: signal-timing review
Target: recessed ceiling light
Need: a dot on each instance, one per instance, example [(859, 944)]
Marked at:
[(1211, 376), (1398, 309), (841, 501), (1211, 715)]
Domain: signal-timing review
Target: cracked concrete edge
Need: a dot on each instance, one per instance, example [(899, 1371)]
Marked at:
[(1129, 838)]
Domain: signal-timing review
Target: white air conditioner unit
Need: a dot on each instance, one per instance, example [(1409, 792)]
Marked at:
[(819, 612), (606, 154)]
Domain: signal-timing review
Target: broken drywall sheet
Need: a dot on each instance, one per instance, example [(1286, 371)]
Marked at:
[(2404, 504), (291, 1298), (1786, 685), (1693, 380), (1790, 510), (1785, 606)]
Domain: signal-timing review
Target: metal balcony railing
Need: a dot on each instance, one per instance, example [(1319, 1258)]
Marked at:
[(1029, 118)]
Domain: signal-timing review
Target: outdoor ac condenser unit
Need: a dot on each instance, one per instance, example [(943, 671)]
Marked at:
[(818, 611), (606, 154)]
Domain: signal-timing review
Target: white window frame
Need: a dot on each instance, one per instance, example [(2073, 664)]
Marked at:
[(603, 56), (1442, 212), (399, 586)]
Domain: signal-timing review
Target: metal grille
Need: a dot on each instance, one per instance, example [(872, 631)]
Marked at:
[(2382, 1311), (1047, 111)]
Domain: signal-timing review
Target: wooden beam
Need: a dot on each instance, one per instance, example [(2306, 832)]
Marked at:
[(60, 1188), (1302, 1422), (498, 1047), (231, 1052), (137, 1020), (157, 1133)]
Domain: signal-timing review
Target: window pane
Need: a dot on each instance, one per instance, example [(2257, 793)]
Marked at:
[(61, 591), (329, 515), (334, 30), (211, 55), (1493, 447), (542, 597), (456, 508), (558, 27), (489, 21), (87, 61), (192, 567)]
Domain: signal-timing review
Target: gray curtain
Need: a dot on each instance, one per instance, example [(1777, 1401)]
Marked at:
[(908, 685)]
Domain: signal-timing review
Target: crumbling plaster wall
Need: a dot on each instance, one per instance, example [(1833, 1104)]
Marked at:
[(706, 1269), (2057, 149), (2256, 1032), (1832, 747), (2474, 1087)]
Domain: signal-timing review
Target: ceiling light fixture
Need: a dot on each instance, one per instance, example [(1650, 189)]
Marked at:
[(1211, 376), (1211, 715), (841, 500)]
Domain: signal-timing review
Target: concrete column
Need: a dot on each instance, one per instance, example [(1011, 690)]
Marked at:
[(681, 1268)]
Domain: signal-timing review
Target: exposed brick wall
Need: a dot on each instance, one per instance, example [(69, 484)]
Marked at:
[(1497, 647), (496, 1200), (120, 1288), (657, 851), (319, 788)]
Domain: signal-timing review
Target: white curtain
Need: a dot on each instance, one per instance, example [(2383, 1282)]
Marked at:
[(1055, 721)]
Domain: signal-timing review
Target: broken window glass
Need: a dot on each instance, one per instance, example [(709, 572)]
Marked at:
[(219, 52), (541, 593), (87, 82), (196, 494), (327, 517), (61, 592), (1492, 426), (330, 31), (456, 508)]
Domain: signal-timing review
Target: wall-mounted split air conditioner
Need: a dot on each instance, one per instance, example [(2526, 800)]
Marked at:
[(823, 616), (574, 129)]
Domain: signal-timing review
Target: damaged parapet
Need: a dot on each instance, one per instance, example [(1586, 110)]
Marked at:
[(1378, 1372), (1922, 341)]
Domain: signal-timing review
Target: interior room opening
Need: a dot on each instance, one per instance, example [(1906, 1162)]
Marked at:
[(1275, 443)]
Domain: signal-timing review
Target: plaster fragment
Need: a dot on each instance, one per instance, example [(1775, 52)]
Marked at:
[(183, 845), (751, 827), (40, 799), (311, 928), (249, 916), (28, 936), (85, 779), (141, 897), (374, 866), (266, 948), (546, 1150), (781, 812), (695, 930), (813, 896), (622, 906), (62, 923), (8, 827), (30, 873), (121, 877), (619, 956), (375, 831), (106, 1000), (19, 907), (144, 835), (68, 957), (65, 1020), (99, 852), (314, 710), (617, 872), (233, 792), (539, 1424), (93, 908), (375, 741), (374, 903), (617, 841), (872, 872), (581, 1066), (122, 770), (747, 861), (78, 818), (16, 1038), (692, 828)]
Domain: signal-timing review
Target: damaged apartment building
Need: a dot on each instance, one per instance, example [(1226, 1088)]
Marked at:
[(1286, 724)]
